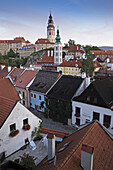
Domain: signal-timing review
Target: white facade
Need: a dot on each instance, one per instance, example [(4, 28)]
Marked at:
[(57, 53), (10, 144), (87, 111)]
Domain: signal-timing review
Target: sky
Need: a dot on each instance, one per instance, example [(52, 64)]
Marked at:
[(88, 22)]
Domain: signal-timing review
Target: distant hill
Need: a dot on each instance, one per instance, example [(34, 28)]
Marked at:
[(106, 48)]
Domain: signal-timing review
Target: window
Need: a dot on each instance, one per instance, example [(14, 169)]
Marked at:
[(12, 127), (31, 94), (19, 92), (56, 48), (95, 100), (96, 116), (88, 98), (77, 110), (77, 121), (39, 97), (56, 54), (25, 121), (26, 141), (34, 95), (23, 102), (23, 95), (36, 106)]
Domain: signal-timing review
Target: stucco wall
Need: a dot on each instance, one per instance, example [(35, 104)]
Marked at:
[(36, 101), (11, 144), (86, 112)]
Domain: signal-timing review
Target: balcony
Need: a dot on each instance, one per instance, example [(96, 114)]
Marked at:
[(14, 133), (26, 127), (77, 114)]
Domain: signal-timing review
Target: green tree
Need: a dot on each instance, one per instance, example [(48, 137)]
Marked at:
[(71, 42), (27, 161), (87, 65), (11, 54), (88, 48)]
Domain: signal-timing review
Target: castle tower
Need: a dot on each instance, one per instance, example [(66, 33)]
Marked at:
[(51, 30), (58, 50)]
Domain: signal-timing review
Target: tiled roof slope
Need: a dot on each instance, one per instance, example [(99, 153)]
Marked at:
[(44, 80), (103, 90), (46, 59), (6, 106), (25, 78), (16, 73), (42, 40), (76, 48), (71, 63), (101, 52), (7, 90), (57, 133), (65, 88), (4, 72), (92, 134)]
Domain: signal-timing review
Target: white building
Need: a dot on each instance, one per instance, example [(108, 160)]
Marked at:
[(95, 103), (58, 50), (16, 126)]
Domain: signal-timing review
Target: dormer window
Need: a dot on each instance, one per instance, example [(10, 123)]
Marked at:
[(88, 98)]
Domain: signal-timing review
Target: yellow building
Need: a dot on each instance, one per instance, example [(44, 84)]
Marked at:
[(70, 67)]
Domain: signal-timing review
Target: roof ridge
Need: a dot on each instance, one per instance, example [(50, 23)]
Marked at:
[(76, 147)]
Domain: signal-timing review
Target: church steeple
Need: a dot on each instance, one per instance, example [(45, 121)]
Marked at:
[(51, 29), (58, 36), (58, 49)]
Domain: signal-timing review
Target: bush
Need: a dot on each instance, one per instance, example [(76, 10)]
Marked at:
[(27, 161), (17, 161)]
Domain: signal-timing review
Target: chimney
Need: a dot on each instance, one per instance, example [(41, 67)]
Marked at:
[(51, 146), (87, 81), (2, 66), (87, 157), (48, 53), (9, 69), (83, 75)]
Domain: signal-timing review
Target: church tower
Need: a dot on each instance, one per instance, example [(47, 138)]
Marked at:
[(58, 50), (51, 30)]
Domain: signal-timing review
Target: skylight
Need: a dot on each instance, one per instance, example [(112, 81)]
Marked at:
[(64, 146)]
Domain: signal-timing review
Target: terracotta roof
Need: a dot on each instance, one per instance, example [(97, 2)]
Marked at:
[(101, 52), (16, 40), (27, 41), (7, 90), (6, 106), (25, 78), (55, 132), (97, 64), (92, 134), (46, 59), (16, 73), (76, 48), (4, 72), (42, 41), (71, 63)]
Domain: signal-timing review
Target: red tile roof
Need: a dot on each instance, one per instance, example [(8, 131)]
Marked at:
[(97, 64), (76, 48), (42, 41), (46, 59), (72, 63), (55, 132), (25, 78), (6, 106), (101, 52), (4, 72), (16, 40), (16, 73), (92, 134), (7, 90)]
